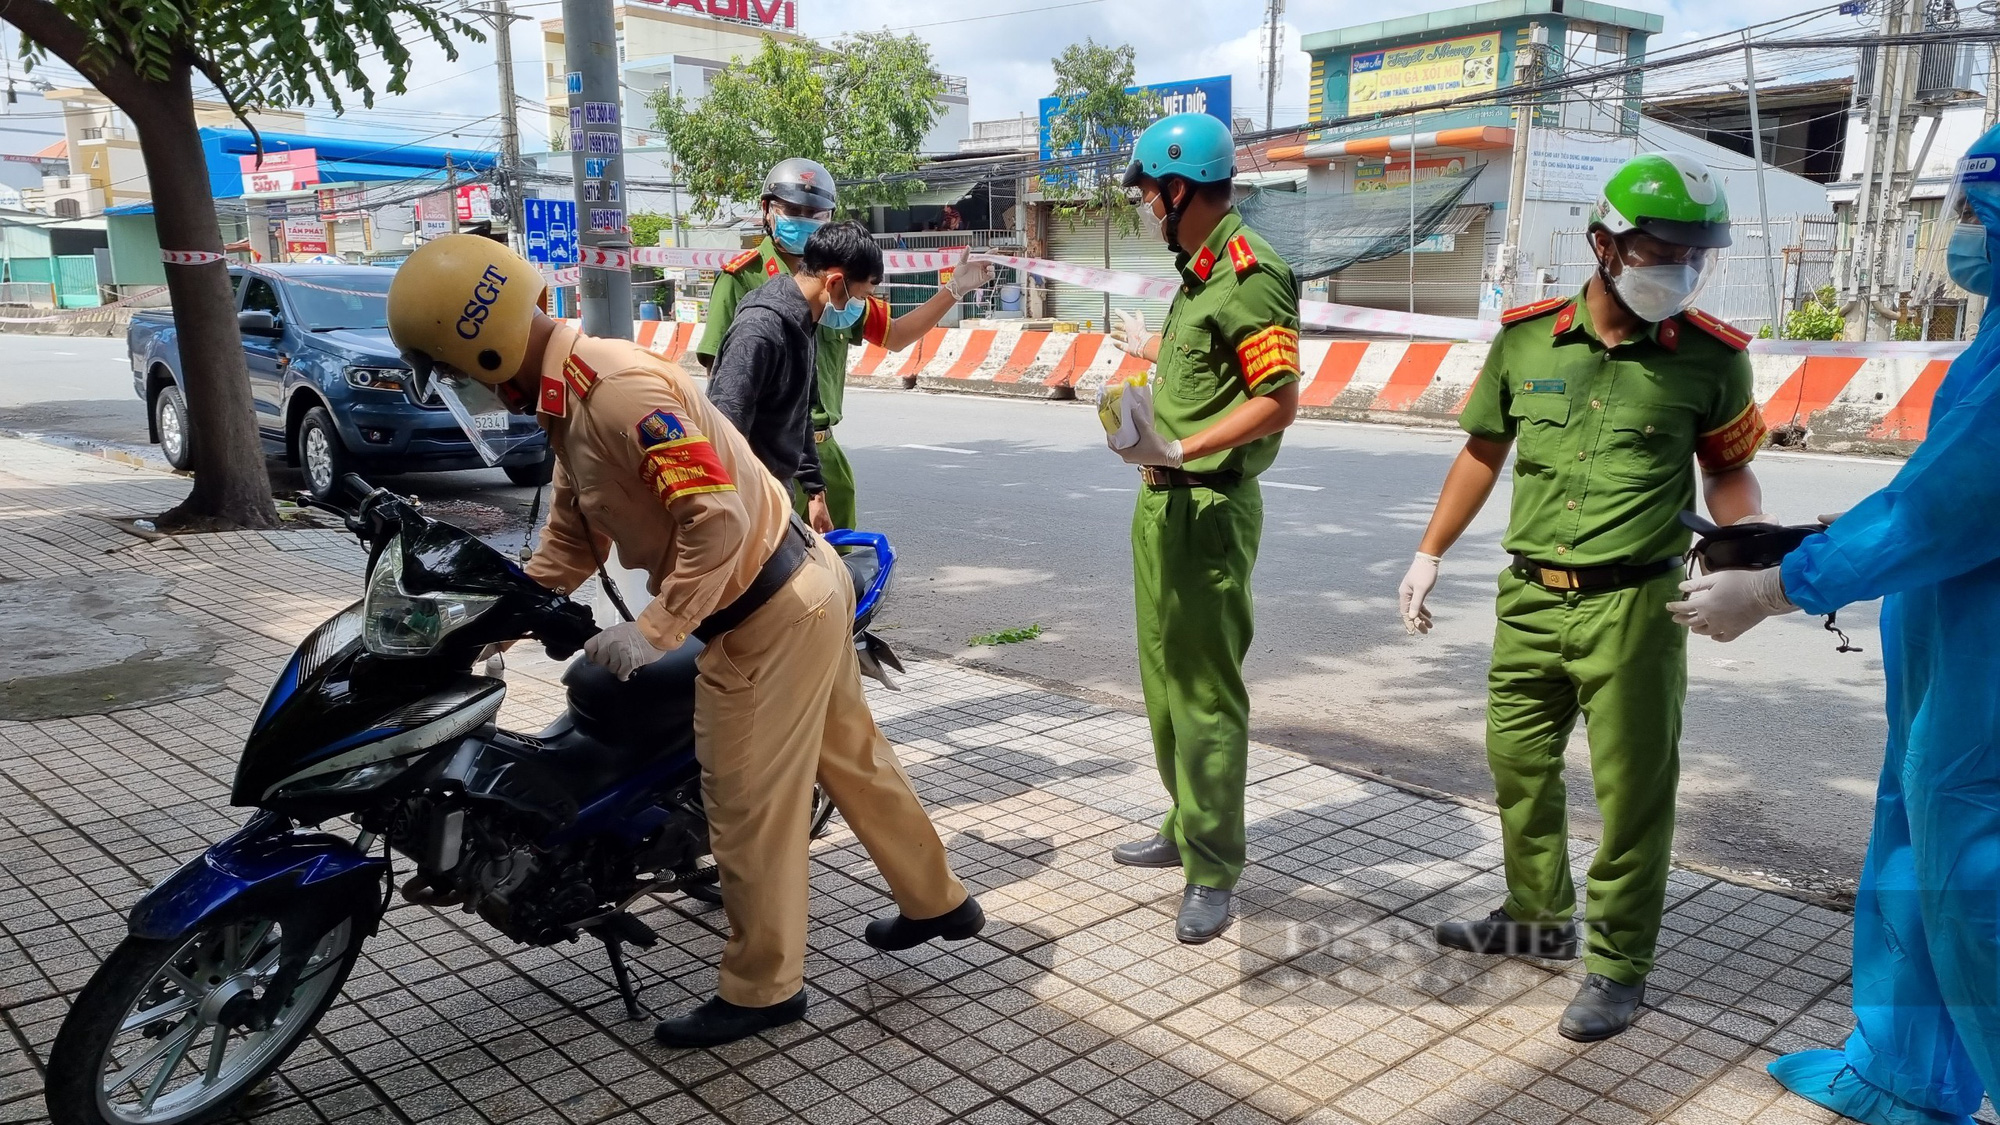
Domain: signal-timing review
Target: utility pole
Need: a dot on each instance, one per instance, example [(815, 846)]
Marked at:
[(1274, 35), (451, 191), (1886, 178), (597, 147), (1763, 200), (502, 18), (1517, 185)]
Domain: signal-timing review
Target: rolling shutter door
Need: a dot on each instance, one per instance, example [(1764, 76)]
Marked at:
[(1083, 244), (1448, 281)]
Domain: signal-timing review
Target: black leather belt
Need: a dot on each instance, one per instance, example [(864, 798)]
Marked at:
[(1589, 579), (792, 552), (1159, 476)]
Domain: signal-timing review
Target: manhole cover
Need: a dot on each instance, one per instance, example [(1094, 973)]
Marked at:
[(90, 644)]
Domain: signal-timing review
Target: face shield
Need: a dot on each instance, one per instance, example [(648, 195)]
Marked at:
[(1972, 208), (486, 418)]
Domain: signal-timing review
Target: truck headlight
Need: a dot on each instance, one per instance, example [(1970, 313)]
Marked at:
[(377, 378)]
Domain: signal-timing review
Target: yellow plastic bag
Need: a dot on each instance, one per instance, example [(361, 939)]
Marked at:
[(1115, 407)]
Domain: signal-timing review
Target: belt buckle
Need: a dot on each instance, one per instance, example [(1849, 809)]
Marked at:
[(1154, 475), (820, 436), (1557, 579)]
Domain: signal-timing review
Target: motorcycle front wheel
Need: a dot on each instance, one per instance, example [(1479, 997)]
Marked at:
[(170, 1031)]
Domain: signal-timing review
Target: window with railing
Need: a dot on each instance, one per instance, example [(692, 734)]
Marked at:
[(93, 134)]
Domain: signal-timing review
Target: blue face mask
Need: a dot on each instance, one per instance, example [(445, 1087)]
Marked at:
[(1966, 259), (842, 317), (790, 232)]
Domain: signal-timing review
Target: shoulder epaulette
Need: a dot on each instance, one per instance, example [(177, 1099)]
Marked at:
[(1543, 307), (1735, 337), (1241, 256), (740, 262)]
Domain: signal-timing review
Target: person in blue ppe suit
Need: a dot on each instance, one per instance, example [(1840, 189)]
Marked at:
[(1927, 916)]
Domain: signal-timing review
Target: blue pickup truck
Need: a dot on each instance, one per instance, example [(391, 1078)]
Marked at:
[(331, 394)]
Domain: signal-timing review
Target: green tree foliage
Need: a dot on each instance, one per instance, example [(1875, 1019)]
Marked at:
[(144, 56), (1817, 319), (1096, 113), (648, 226), (861, 107)]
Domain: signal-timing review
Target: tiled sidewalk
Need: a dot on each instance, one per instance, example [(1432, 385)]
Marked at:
[(1325, 1002)]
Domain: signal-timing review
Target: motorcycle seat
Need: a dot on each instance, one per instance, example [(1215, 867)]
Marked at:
[(652, 712)]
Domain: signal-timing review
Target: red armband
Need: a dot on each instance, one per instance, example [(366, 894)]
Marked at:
[(685, 466), (1731, 446), (1267, 352), (875, 322)]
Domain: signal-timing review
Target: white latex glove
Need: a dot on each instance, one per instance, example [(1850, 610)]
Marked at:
[(1135, 417), (622, 649), (1418, 582), (967, 276), (1827, 518), (1728, 603), (1760, 517), (1128, 331)]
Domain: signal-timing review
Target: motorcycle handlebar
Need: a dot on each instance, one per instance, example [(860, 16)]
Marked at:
[(564, 628)]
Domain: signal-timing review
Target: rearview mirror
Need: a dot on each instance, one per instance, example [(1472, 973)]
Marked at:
[(255, 322)]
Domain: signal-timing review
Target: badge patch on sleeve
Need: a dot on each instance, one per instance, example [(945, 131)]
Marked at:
[(1732, 446), (659, 428), (1272, 351), (686, 466)]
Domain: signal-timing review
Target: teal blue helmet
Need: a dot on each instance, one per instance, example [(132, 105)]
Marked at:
[(1194, 146)]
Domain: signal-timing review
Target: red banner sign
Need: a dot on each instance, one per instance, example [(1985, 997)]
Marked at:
[(764, 13), (289, 170)]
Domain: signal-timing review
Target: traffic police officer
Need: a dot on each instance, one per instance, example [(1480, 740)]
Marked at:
[(645, 463), (799, 198), (1227, 386), (1612, 396)]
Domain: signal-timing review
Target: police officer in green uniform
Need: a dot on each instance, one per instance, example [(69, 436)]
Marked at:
[(798, 198), (1225, 388), (1613, 397)]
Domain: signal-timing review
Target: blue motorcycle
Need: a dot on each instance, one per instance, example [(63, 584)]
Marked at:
[(379, 721)]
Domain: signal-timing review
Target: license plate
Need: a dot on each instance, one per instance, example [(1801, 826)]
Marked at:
[(495, 422)]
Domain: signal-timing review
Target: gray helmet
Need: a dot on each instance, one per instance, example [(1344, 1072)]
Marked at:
[(802, 183)]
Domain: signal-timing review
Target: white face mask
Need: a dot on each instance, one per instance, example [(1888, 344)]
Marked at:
[(1654, 293)]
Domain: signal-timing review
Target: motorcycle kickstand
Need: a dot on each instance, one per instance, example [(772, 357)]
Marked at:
[(614, 932)]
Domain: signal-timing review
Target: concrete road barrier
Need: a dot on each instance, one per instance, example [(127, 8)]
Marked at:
[(1874, 403)]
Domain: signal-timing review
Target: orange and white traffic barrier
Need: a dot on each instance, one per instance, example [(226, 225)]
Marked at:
[(1862, 396)]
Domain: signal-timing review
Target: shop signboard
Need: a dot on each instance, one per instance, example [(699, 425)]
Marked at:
[(1423, 73)]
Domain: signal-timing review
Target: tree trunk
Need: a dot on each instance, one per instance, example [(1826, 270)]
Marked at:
[(232, 489)]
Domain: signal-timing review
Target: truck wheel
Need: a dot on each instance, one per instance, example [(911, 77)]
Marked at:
[(170, 418), (321, 455), (530, 476)]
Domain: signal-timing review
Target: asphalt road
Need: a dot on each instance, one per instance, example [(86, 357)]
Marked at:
[(1010, 513)]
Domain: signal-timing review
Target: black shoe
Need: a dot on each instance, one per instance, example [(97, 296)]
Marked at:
[(902, 932), (1498, 934), (717, 1021), (1204, 914), (1156, 852), (1602, 1009)]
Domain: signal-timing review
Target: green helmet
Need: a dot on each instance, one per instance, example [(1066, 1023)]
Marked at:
[(1667, 195)]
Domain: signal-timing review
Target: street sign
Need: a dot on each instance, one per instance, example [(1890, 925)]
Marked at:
[(573, 82), (550, 227)]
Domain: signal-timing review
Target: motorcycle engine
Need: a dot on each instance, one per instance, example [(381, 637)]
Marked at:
[(494, 859)]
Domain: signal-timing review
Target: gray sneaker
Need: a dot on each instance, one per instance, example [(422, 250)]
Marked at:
[(1156, 852), (1204, 914)]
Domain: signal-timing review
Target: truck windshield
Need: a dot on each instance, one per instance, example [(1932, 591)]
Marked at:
[(346, 300)]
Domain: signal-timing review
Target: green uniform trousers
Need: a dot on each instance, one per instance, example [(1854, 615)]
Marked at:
[(1192, 553), (839, 477), (1620, 661)]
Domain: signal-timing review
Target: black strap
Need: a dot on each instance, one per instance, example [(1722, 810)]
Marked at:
[(792, 552)]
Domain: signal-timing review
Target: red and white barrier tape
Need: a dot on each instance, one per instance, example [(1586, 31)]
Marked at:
[(190, 257), (1315, 314), (74, 314)]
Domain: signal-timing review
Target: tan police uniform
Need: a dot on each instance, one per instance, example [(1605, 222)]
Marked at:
[(661, 475)]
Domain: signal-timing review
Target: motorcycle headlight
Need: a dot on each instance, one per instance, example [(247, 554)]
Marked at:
[(395, 622), (353, 781)]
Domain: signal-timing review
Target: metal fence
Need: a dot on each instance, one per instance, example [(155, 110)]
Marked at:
[(28, 294), (1799, 248)]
